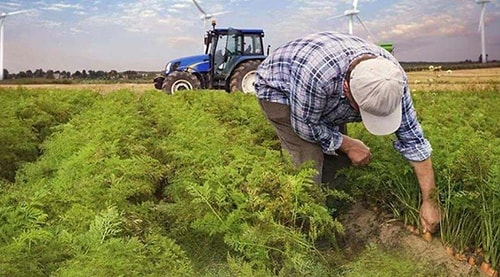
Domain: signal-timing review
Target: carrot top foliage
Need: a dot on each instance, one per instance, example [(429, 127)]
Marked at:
[(152, 174), (194, 184), (464, 132)]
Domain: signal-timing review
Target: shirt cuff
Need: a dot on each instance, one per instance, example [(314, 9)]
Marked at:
[(335, 144), (414, 153)]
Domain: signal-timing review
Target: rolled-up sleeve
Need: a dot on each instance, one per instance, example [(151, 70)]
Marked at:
[(411, 142)]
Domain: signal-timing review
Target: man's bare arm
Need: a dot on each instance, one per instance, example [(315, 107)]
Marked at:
[(429, 212)]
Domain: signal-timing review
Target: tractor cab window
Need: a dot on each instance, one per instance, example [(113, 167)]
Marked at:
[(253, 45), (234, 44)]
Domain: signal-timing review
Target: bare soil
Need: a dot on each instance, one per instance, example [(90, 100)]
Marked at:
[(363, 226)]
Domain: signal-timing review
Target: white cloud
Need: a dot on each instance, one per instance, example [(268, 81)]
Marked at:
[(8, 6), (172, 28), (61, 7)]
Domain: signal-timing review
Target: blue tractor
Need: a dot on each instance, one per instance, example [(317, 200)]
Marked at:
[(230, 61)]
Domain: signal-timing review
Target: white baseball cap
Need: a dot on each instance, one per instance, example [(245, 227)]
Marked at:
[(377, 87)]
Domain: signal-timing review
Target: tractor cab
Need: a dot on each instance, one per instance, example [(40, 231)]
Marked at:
[(230, 47)]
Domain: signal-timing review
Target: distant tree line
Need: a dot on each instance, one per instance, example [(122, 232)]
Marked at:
[(137, 75), (468, 64), (84, 74)]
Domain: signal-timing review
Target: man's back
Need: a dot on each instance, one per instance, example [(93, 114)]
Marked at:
[(312, 61)]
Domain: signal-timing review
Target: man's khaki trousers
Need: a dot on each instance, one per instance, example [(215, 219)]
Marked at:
[(302, 150)]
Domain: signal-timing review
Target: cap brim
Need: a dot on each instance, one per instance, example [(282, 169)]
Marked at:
[(382, 125)]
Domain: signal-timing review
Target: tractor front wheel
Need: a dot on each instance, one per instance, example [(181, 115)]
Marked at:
[(158, 81), (243, 78), (180, 80)]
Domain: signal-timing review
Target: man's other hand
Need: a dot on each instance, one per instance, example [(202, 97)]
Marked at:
[(356, 150)]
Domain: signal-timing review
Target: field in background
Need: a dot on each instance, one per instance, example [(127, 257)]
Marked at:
[(454, 79), (419, 80)]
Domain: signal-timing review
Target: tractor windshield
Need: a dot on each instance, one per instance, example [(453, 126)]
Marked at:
[(228, 45), (221, 52)]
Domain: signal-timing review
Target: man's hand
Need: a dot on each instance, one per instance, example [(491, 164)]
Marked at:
[(356, 150), (429, 216)]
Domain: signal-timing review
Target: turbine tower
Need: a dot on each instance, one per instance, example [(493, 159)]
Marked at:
[(3, 16), (353, 13), (481, 28), (206, 16)]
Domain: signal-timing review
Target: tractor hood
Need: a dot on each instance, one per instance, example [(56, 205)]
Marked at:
[(198, 63)]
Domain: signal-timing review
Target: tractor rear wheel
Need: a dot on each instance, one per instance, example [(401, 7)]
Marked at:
[(180, 80), (243, 78)]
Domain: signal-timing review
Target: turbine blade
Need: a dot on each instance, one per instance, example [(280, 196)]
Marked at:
[(219, 13), (355, 4), (337, 16), (199, 7), (366, 28), (4, 15), (18, 12)]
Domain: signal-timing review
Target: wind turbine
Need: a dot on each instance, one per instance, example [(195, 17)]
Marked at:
[(206, 16), (481, 28), (353, 13), (3, 16)]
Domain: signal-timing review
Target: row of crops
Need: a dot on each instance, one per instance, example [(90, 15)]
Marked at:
[(194, 184), (463, 129)]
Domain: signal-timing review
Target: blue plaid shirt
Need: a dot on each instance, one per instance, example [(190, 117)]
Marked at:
[(307, 74)]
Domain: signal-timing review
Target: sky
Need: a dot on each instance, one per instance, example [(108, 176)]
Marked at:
[(143, 35)]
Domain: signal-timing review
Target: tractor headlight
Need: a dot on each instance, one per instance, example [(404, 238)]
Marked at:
[(167, 68)]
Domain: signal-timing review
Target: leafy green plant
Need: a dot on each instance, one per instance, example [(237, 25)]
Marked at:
[(461, 127), (194, 184), (28, 119), (226, 185), (458, 225)]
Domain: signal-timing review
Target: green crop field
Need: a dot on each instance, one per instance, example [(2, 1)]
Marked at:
[(134, 182)]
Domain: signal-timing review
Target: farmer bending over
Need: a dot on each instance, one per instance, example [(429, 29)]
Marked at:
[(309, 88)]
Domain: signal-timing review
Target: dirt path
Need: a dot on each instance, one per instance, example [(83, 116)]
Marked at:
[(363, 226)]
